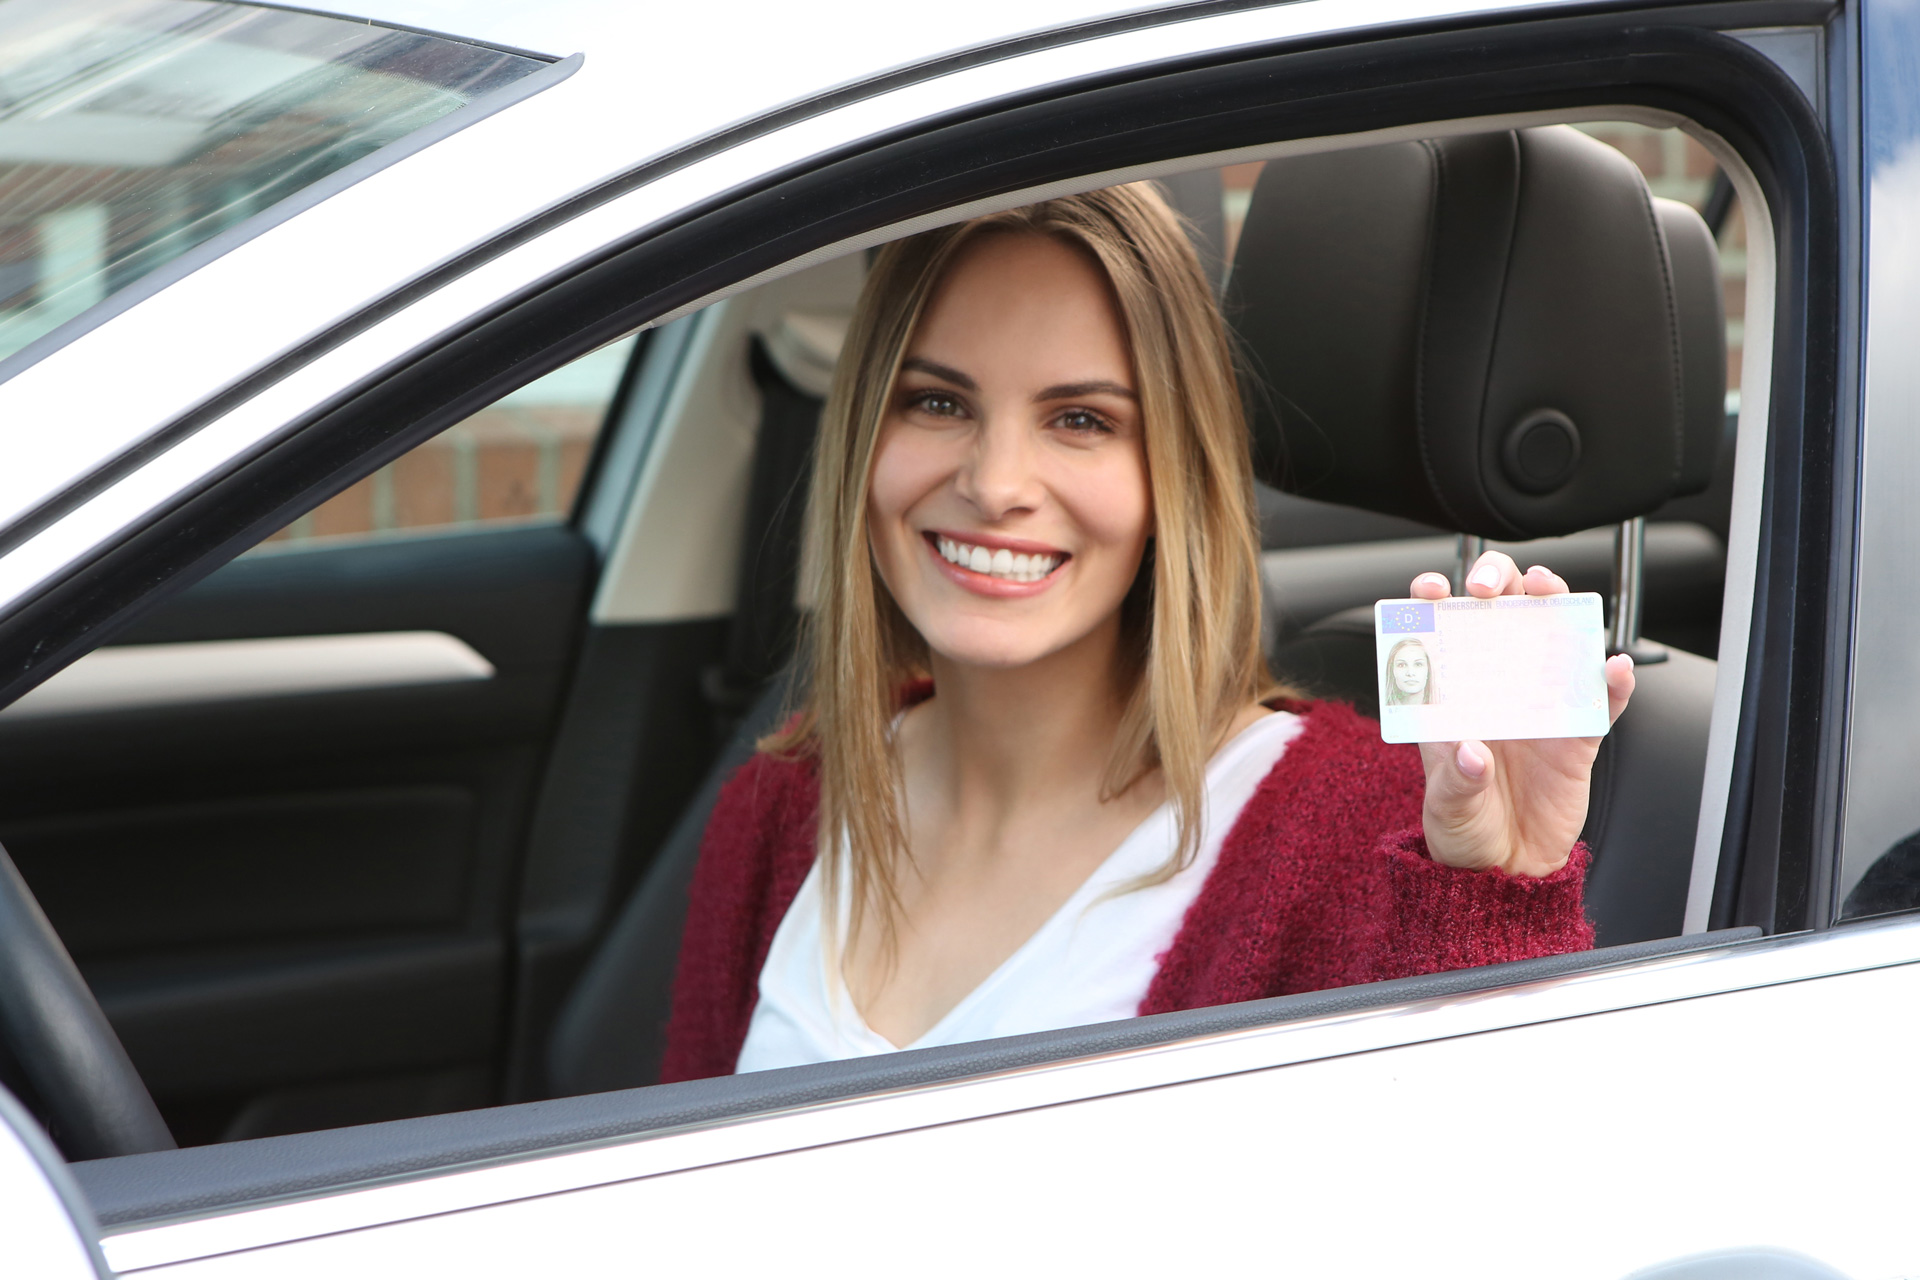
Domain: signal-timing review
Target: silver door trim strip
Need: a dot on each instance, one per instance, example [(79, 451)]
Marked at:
[(1740, 966), (134, 677)]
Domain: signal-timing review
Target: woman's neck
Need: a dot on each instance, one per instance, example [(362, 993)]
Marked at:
[(1001, 738)]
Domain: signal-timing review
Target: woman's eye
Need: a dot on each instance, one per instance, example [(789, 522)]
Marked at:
[(937, 403), (1083, 420)]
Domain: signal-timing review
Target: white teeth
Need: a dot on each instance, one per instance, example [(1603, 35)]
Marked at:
[(1000, 563)]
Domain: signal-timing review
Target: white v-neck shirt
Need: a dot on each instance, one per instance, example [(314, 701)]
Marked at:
[(1092, 961)]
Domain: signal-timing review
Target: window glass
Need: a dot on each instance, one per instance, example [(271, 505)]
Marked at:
[(133, 130), (519, 460)]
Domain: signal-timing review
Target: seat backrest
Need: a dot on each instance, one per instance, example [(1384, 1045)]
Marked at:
[(612, 1030), (1498, 334), (1506, 335)]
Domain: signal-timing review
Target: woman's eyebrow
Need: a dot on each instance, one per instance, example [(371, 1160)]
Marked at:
[(946, 373), (1073, 390)]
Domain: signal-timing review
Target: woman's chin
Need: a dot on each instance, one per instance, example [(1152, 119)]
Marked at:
[(995, 652)]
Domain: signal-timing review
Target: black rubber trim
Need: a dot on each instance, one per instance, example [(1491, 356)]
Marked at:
[(129, 1190), (1775, 846)]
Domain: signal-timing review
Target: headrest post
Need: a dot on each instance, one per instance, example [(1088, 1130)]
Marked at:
[(1466, 549), (1629, 577)]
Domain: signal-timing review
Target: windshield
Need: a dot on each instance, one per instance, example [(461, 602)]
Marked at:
[(133, 130)]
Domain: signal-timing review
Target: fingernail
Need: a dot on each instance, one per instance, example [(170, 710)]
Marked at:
[(1433, 579), (1486, 576), (1469, 761)]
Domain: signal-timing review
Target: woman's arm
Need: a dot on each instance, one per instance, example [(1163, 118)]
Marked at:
[(1445, 917)]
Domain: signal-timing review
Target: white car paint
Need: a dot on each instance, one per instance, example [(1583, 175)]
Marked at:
[(1494, 1134)]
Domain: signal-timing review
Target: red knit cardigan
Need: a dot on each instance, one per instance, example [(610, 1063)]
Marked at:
[(1323, 881)]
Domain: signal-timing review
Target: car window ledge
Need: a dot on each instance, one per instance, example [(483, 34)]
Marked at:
[(134, 1192)]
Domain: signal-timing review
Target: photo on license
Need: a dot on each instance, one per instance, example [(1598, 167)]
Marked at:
[(1509, 667)]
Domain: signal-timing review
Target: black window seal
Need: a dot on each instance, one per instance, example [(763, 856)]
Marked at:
[(145, 1190)]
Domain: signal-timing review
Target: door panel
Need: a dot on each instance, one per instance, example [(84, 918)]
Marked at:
[(300, 904)]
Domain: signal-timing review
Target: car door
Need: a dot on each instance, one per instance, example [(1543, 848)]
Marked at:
[(577, 1206), (280, 821)]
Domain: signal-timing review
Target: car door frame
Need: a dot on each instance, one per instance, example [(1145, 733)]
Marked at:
[(737, 236)]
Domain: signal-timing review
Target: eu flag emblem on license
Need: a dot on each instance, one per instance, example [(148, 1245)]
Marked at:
[(1407, 616)]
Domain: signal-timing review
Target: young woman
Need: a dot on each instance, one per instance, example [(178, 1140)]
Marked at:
[(1041, 776)]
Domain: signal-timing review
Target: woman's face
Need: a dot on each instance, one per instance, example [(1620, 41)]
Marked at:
[(1010, 508), (1410, 670)]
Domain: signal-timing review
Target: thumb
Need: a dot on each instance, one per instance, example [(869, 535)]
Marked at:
[(1462, 773), (1455, 816)]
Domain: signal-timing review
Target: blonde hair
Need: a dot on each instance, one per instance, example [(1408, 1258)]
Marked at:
[(1192, 621)]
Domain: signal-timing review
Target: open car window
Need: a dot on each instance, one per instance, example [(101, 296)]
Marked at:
[(519, 461), (693, 517)]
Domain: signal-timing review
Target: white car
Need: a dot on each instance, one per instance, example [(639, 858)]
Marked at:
[(400, 416)]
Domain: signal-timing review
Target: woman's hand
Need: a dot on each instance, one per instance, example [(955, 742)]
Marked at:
[(1519, 805)]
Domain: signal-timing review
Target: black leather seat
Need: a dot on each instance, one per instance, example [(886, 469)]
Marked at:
[(1411, 307), (1505, 335), (612, 1030)]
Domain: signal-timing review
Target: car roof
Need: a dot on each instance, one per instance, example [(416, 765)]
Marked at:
[(872, 32), (686, 71)]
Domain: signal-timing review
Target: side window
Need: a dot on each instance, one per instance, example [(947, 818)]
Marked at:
[(518, 461), (1326, 562)]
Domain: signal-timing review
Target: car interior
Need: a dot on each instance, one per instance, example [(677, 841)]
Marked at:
[(310, 900)]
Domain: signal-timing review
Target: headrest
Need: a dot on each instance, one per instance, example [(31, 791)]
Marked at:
[(1500, 334)]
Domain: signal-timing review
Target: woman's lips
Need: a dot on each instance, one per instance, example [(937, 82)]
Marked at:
[(1002, 568)]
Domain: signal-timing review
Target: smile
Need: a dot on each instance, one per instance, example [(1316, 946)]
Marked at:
[(1008, 566)]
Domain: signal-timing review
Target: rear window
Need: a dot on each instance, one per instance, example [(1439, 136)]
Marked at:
[(132, 131)]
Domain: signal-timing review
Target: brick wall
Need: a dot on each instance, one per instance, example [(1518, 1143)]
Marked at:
[(520, 459)]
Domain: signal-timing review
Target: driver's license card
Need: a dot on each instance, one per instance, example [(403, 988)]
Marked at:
[(1509, 667)]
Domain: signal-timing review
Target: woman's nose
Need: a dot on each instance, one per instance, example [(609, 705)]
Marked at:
[(999, 476)]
